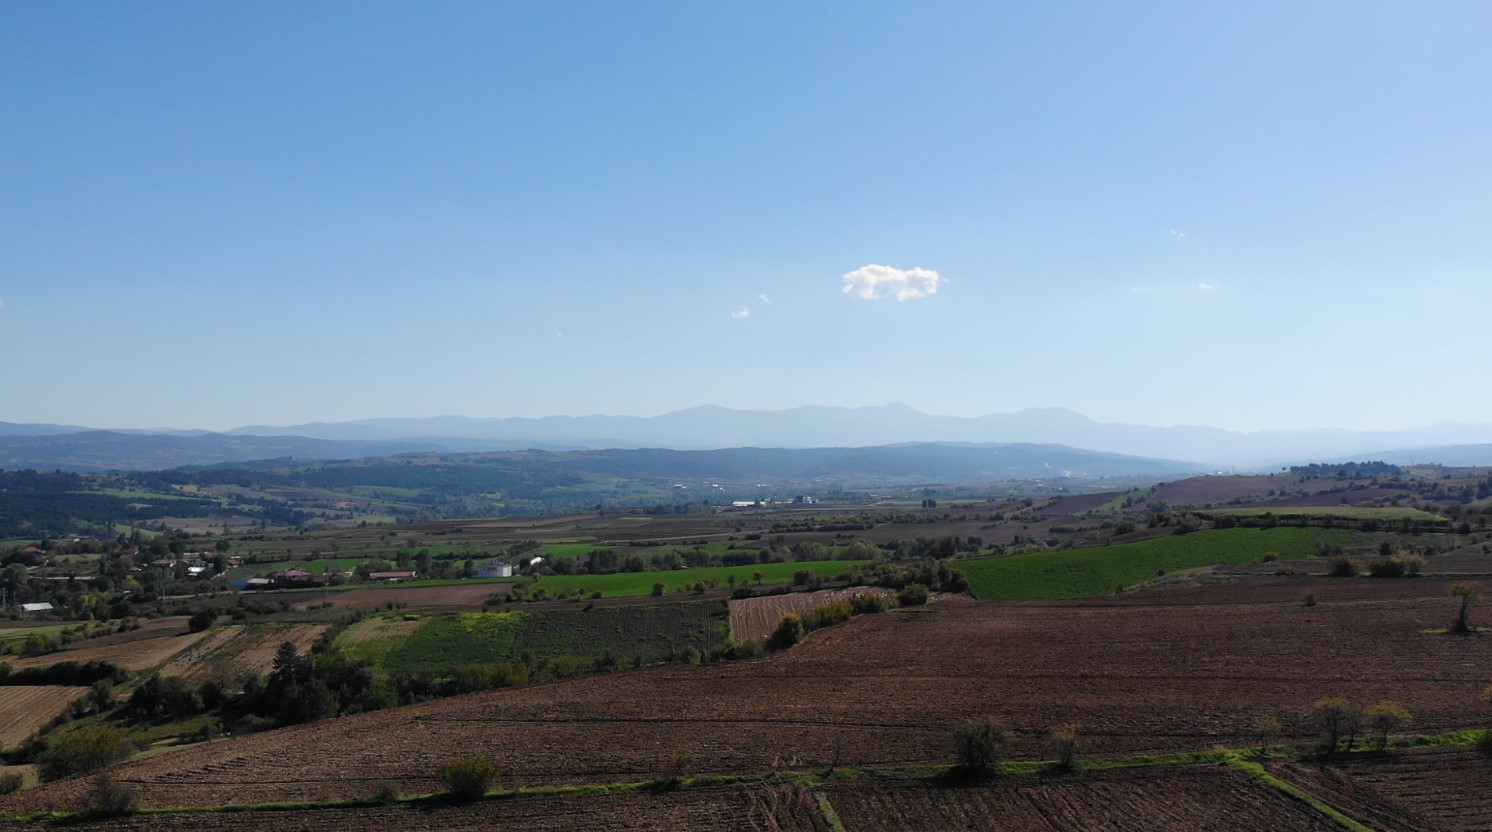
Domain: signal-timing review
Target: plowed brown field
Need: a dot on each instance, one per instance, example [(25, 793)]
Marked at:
[(1409, 791), (422, 598), (232, 651), (1172, 799), (883, 689), (140, 653), (735, 809), (753, 619), (25, 709)]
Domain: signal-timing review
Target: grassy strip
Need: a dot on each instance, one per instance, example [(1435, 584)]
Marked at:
[(1084, 573), (1257, 771), (641, 583), (826, 809)]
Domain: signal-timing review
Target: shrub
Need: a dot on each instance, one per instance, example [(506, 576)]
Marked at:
[(1270, 557), (108, 799), (869, 603), (1385, 718), (10, 782), (1386, 568), (1341, 566), (1338, 719), (789, 631), (979, 745), (1065, 745), (1484, 744), (85, 749), (829, 615), (201, 620), (912, 595), (386, 794), (466, 778)]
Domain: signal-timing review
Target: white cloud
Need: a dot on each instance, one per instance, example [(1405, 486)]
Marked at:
[(743, 312), (763, 298), (1180, 235), (1209, 287), (875, 282)]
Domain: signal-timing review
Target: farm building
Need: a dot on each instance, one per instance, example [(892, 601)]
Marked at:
[(39, 606), (495, 569), (394, 577), (294, 577)]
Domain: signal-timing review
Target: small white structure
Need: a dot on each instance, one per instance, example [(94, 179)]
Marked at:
[(495, 569), (41, 606)]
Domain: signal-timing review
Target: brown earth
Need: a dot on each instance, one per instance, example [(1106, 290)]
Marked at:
[(1427, 789), (422, 598), (23, 709), (753, 619), (236, 650), (1173, 799), (883, 689), (146, 649), (725, 809)]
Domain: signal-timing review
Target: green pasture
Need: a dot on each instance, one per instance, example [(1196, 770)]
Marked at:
[(641, 583), (1083, 573), (1388, 513), (1118, 502)]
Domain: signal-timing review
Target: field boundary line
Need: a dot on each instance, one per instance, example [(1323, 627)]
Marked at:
[(826, 809), (1258, 772)]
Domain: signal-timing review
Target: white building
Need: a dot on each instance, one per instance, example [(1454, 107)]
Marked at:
[(495, 569)]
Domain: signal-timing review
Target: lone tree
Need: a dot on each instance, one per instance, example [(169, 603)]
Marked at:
[(1339, 719), (1266, 728), (466, 778), (1385, 718), (1066, 744), (979, 746), (1467, 593)]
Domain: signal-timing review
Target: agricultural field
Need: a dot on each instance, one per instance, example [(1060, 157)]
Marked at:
[(23, 709), (1385, 513), (142, 649), (753, 619), (1079, 573), (1179, 798), (648, 633), (1138, 675), (235, 650), (779, 808), (641, 583), (1422, 789)]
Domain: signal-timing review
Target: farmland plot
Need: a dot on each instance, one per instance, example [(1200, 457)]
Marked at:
[(729, 809), (23, 709), (1174, 799), (1425, 789), (880, 690), (235, 650), (753, 619)]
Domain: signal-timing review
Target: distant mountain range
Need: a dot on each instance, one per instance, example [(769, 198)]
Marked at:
[(711, 427)]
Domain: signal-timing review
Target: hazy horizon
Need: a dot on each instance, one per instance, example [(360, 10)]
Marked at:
[(240, 425), (1245, 217)]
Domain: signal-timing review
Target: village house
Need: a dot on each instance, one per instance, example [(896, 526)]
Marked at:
[(495, 569), (394, 576)]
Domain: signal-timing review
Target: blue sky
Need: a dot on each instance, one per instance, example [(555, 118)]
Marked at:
[(1250, 215)]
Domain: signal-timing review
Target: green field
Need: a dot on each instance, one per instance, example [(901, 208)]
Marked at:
[(1083, 573), (641, 583), (468, 638), (570, 547), (1349, 512), (648, 632), (1118, 502)]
